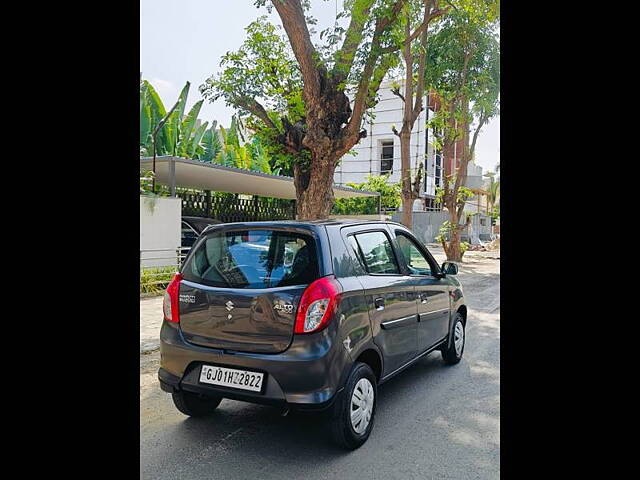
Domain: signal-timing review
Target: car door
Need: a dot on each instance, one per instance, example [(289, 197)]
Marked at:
[(390, 294), (432, 291)]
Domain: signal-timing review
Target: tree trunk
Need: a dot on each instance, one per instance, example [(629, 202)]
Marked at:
[(314, 189), (454, 253), (452, 249), (407, 191)]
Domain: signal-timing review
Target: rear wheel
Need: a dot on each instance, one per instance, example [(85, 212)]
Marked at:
[(453, 353), (353, 413), (195, 405)]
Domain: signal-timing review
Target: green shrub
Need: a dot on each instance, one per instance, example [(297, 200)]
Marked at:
[(389, 192), (154, 280)]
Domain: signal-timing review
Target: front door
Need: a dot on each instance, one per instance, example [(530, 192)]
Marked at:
[(391, 297), (432, 292)]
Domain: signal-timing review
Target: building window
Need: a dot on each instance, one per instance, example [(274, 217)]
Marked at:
[(438, 170), (386, 159), (483, 222)]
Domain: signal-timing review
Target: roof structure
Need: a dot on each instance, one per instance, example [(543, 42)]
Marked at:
[(182, 172)]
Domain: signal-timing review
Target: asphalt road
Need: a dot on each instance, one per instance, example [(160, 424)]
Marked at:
[(432, 421)]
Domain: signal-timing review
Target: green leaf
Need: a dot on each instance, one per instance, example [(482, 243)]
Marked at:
[(145, 117), (194, 143), (184, 145), (211, 143), (172, 127), (156, 113)]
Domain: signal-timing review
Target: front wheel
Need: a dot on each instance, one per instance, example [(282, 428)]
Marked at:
[(354, 411), (453, 353), (195, 405)]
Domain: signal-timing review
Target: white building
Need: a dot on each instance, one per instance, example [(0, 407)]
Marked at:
[(379, 153)]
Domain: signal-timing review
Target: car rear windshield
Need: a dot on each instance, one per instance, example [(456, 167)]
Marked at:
[(253, 259)]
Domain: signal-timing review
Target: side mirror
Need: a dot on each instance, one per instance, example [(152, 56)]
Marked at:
[(449, 268)]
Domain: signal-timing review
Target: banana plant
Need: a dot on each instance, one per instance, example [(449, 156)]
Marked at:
[(186, 145), (181, 135), (211, 143), (251, 156), (152, 112)]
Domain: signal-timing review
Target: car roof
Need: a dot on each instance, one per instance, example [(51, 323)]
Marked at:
[(302, 223)]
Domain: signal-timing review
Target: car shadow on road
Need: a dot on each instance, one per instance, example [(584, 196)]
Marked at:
[(270, 434), (417, 403)]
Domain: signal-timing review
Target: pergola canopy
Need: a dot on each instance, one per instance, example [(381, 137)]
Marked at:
[(182, 172)]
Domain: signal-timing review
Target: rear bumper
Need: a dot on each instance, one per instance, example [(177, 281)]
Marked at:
[(307, 375)]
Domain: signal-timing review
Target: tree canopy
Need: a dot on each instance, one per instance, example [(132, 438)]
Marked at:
[(296, 93)]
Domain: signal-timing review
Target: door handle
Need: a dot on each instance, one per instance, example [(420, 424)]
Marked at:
[(379, 303)]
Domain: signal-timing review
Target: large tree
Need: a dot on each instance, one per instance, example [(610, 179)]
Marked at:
[(303, 104), (464, 71)]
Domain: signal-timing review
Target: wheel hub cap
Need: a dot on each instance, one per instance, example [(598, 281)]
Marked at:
[(458, 338), (362, 402)]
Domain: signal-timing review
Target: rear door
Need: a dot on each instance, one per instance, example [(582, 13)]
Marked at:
[(390, 295), (241, 288), (432, 292)]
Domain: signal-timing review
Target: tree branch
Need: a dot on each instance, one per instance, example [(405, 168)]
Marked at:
[(345, 55), (252, 106), (363, 93), (481, 122), (396, 91), (422, 63), (423, 26), (378, 76), (295, 25)]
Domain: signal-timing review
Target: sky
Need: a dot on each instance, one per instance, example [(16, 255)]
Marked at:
[(184, 40)]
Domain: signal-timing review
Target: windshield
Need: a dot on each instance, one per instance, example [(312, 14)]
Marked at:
[(253, 259)]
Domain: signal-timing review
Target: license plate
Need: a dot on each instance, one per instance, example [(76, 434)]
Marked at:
[(231, 377)]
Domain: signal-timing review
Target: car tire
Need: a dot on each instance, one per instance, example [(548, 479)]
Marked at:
[(195, 405), (452, 353), (360, 391)]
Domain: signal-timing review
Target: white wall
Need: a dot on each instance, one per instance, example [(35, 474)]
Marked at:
[(388, 112), (475, 180), (160, 228)]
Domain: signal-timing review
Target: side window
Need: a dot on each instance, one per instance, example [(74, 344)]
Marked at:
[(416, 261), (377, 252)]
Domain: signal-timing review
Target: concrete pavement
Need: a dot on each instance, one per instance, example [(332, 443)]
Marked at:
[(150, 323)]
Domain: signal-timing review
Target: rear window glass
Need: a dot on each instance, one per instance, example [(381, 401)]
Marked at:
[(253, 259)]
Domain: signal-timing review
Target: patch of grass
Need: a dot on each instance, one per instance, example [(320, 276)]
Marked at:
[(154, 280)]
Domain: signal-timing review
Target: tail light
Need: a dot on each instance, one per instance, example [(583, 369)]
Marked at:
[(170, 305), (317, 305)]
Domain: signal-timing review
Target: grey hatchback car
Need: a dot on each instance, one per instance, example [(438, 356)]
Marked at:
[(311, 316)]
